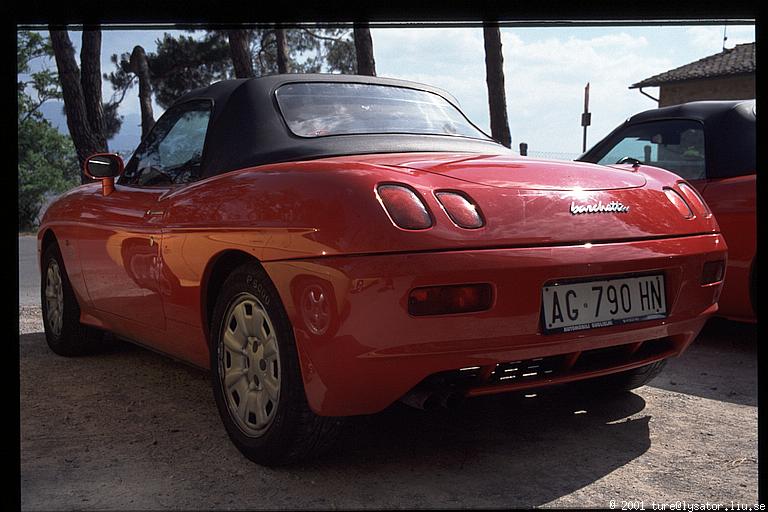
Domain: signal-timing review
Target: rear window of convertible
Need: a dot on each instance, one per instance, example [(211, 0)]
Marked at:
[(319, 109)]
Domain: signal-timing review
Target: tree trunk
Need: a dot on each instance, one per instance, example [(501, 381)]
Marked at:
[(86, 142), (282, 52), (239, 47), (364, 50), (140, 68), (494, 77), (90, 79)]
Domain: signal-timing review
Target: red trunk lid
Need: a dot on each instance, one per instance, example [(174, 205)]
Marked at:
[(522, 173)]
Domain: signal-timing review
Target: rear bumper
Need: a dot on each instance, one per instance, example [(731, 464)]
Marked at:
[(360, 350)]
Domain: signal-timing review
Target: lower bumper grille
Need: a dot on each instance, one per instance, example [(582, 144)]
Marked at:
[(528, 373)]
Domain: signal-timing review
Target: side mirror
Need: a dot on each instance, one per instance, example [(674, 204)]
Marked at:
[(105, 167)]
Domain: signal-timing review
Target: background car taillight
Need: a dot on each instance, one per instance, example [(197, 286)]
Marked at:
[(677, 200), (461, 210), (404, 206), (443, 300), (693, 198)]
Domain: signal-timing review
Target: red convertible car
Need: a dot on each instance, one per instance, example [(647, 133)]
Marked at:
[(327, 245), (710, 144)]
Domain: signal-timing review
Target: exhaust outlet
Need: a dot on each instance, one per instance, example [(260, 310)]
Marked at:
[(422, 398), (428, 399)]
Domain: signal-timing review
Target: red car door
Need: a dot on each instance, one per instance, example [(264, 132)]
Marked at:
[(121, 248), (120, 252)]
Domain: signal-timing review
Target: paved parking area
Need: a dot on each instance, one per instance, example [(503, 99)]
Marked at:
[(29, 273), (129, 429)]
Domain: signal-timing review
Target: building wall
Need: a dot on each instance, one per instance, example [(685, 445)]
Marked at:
[(740, 87)]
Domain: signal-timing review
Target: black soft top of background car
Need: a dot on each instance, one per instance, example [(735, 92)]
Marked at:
[(730, 123), (246, 128)]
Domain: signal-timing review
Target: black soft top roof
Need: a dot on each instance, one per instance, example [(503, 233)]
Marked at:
[(246, 128), (731, 123)]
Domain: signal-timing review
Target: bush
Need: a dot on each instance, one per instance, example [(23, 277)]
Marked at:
[(47, 165)]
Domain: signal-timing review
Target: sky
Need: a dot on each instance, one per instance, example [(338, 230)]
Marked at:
[(546, 70)]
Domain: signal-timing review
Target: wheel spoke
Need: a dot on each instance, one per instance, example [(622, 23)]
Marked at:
[(233, 378), (241, 387), (238, 359), (242, 320), (233, 342), (242, 407), (254, 406), (262, 418), (258, 324), (270, 348), (270, 384)]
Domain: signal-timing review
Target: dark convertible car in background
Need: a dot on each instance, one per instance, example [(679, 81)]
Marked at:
[(710, 144), (327, 245)]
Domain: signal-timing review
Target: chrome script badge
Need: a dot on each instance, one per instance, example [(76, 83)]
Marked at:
[(612, 207)]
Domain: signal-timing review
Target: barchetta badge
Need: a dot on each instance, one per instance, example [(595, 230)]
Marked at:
[(612, 207)]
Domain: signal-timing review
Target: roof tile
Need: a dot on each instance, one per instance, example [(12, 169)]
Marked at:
[(731, 61)]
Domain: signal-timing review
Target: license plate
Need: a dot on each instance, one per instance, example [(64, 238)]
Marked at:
[(588, 305)]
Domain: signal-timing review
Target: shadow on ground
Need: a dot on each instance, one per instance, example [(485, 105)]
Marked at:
[(721, 364), (510, 449)]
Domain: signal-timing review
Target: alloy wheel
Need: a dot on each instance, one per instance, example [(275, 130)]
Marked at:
[(249, 365), (54, 298)]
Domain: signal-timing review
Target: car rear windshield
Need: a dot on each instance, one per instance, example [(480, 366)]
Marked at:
[(319, 109)]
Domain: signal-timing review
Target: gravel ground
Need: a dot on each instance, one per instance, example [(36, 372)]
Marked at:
[(129, 430)]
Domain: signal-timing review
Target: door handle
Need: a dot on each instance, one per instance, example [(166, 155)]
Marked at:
[(153, 213)]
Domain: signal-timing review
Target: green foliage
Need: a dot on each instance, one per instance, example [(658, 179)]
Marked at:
[(112, 120), (309, 51), (47, 162), (44, 84), (47, 165), (340, 54), (181, 64)]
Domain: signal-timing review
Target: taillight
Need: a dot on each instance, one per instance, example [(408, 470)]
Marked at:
[(713, 272), (693, 198), (443, 300), (404, 207), (460, 209), (679, 203)]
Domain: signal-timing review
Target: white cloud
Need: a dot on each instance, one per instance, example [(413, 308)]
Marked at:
[(709, 39), (544, 77), (545, 80)]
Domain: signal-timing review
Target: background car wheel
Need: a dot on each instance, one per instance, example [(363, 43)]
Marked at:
[(628, 380), (256, 377), (65, 335)]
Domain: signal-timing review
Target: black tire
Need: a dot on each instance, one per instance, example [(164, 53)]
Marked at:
[(293, 432), (68, 337), (628, 380)]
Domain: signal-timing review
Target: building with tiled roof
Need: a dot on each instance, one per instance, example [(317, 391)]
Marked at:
[(728, 75)]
